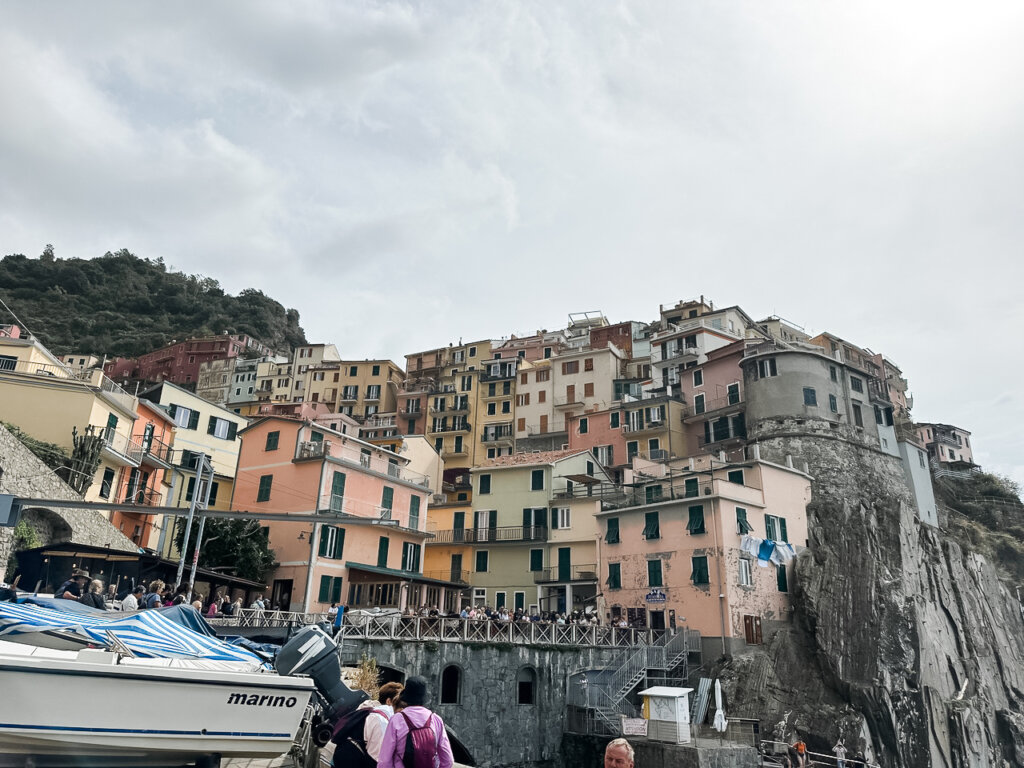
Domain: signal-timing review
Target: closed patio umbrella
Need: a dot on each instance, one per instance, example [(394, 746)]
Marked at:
[(720, 723)]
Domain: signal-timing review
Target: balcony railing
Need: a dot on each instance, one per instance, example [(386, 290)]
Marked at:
[(504, 434), (144, 496), (502, 535), (567, 401), (121, 446), (503, 374), (448, 574), (157, 450), (680, 353), (561, 573), (647, 426), (313, 449), (947, 439), (729, 402), (722, 436), (459, 426)]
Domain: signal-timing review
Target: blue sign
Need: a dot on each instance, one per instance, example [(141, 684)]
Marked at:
[(655, 596)]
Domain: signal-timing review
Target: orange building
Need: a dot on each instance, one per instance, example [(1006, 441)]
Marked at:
[(368, 551)]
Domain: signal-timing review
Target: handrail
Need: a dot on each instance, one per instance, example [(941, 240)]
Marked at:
[(819, 758)]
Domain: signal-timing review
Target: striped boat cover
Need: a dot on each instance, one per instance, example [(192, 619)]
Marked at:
[(148, 634)]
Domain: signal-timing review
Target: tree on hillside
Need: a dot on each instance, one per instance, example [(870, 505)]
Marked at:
[(240, 547)]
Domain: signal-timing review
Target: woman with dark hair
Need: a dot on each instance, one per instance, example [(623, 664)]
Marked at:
[(415, 733)]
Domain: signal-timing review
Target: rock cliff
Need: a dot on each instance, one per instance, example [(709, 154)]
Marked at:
[(905, 641)]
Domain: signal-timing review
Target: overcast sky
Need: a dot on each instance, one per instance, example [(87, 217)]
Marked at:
[(408, 174)]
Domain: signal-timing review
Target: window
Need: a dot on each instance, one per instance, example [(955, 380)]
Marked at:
[(481, 561), (699, 572), (858, 418), (542, 396), (506, 406), (698, 403), (588, 364), (614, 580), (698, 378), (387, 502), (746, 573), (375, 371), (588, 389), (775, 528), (536, 559), (264, 492), (337, 492), (410, 556), (526, 681), (485, 484), (332, 542), (833, 404), (810, 396), (570, 366), (522, 400), (414, 512), (373, 392), (584, 426), (652, 528), (186, 418), (330, 589), (742, 526), (221, 428), (696, 522), (856, 384), (353, 370), (451, 680), (107, 483), (492, 409), (632, 449), (8, 363), (736, 476), (781, 579), (832, 373), (654, 573), (613, 419), (544, 374), (652, 494), (439, 444), (920, 458), (537, 480), (611, 535), (561, 518), (766, 368), (467, 382), (382, 551)]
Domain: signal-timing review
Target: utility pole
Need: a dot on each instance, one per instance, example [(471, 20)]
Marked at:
[(205, 490), (201, 464)]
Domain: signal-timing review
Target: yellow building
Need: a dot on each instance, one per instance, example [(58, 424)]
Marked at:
[(47, 400), (201, 427), (362, 389), (273, 383)]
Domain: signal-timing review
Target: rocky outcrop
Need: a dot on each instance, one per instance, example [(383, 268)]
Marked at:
[(904, 643)]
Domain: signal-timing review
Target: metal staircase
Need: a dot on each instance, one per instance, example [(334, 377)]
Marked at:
[(670, 656)]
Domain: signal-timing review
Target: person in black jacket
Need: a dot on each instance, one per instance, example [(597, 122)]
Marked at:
[(94, 597), (73, 588)]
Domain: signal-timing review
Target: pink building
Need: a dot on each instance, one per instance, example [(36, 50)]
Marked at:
[(601, 433), (670, 552), (179, 362), (362, 515), (948, 447), (713, 391)]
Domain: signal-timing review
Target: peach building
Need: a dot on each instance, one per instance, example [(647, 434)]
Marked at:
[(367, 551), (670, 548)]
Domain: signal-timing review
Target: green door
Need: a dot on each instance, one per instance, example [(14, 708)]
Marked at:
[(459, 524), (382, 552), (564, 564), (456, 574)]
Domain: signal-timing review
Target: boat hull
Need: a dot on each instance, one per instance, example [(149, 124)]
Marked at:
[(65, 711)]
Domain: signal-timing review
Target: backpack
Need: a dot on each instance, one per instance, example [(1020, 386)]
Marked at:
[(420, 744), (150, 600), (350, 746)]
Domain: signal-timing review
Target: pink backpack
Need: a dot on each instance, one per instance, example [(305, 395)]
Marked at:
[(420, 744)]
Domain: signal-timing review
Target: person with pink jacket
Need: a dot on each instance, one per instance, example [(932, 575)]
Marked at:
[(411, 714)]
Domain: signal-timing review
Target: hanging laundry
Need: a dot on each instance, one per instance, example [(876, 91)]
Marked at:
[(764, 552), (783, 553), (750, 544)]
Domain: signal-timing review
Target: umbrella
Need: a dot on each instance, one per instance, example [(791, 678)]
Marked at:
[(720, 723)]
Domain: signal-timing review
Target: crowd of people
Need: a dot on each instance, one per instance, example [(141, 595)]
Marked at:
[(503, 614)]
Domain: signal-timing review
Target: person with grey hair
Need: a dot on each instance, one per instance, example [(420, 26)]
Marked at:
[(618, 754), (94, 597)]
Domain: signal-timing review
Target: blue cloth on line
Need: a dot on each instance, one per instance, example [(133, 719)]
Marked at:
[(764, 552)]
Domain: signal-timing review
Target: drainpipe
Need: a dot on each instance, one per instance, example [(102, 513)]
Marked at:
[(312, 540), (720, 553)]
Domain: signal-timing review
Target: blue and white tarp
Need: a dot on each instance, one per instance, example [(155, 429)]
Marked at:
[(148, 634)]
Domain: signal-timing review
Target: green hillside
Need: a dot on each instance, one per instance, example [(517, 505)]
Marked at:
[(121, 305)]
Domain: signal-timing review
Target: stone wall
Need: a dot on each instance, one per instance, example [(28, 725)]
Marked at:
[(904, 642), (22, 474), (580, 751), (496, 729)]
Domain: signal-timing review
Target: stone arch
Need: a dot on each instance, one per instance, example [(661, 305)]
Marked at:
[(526, 685), (451, 685), (49, 527)]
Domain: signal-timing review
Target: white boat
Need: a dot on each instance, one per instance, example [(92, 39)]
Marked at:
[(99, 707)]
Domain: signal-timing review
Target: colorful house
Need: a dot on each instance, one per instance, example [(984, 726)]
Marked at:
[(367, 551)]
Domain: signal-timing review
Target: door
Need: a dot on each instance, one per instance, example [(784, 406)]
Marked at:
[(281, 595), (459, 526), (657, 619), (752, 629), (564, 564), (480, 524), (570, 393), (456, 569)]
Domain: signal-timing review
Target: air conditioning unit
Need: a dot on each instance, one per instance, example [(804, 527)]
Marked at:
[(438, 498)]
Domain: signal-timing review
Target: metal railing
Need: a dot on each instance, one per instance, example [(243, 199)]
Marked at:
[(722, 436), (717, 404), (158, 449), (448, 574), (394, 627), (460, 426), (513, 533), (779, 750), (121, 444), (253, 617), (558, 573), (144, 496)]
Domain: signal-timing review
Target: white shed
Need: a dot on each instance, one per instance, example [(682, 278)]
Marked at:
[(668, 710)]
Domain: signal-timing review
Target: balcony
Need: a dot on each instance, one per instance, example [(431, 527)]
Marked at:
[(459, 426), (648, 426), (348, 397), (515, 534), (568, 401), (452, 574), (683, 354), (720, 437), (562, 574), (411, 413), (143, 496), (119, 448), (503, 434), (947, 439), (313, 449), (720, 406), (378, 423), (372, 397), (499, 392), (157, 453), (502, 374)]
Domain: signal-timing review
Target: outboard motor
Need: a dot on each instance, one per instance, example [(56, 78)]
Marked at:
[(312, 652)]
